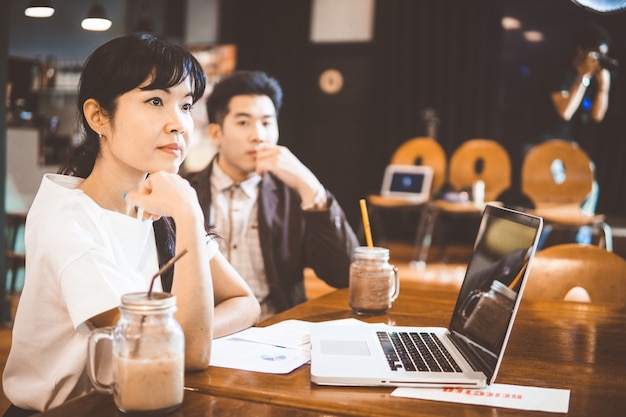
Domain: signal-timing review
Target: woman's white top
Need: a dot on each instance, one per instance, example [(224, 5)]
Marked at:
[(80, 260)]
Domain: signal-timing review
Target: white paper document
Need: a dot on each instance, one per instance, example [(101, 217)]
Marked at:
[(276, 349), (289, 334), (259, 357), (496, 395)]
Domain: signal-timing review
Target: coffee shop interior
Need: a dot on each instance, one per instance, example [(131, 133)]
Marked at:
[(360, 79)]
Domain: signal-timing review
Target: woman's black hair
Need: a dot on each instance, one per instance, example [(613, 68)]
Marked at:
[(115, 68), (122, 65)]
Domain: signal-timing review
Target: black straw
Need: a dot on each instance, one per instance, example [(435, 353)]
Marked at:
[(165, 267)]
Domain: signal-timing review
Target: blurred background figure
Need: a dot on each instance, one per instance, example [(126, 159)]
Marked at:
[(575, 98), (577, 89)]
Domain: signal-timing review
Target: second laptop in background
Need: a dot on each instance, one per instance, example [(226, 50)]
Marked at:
[(410, 182)]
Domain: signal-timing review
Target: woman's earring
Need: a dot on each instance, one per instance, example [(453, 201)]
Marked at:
[(100, 135)]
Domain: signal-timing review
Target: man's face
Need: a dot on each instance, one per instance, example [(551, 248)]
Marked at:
[(251, 120)]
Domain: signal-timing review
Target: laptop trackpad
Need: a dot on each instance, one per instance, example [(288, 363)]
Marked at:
[(344, 347)]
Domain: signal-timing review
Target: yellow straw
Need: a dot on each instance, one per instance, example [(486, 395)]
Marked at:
[(366, 224), (518, 277)]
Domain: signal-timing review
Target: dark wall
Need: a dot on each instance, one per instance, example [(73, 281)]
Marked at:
[(449, 55), (331, 134)]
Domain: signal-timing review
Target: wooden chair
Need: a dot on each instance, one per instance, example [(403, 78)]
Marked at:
[(14, 255), (423, 151), (481, 159), (577, 272), (558, 198), (475, 160), (416, 151)]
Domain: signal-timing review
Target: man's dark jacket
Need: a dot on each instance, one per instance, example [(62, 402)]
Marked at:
[(292, 239)]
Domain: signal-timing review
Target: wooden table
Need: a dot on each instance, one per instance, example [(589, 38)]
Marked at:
[(554, 344), (195, 404)]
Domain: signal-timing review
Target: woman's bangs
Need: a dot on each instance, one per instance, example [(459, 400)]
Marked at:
[(171, 72)]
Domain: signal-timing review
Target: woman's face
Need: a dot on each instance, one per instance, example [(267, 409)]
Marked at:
[(151, 129)]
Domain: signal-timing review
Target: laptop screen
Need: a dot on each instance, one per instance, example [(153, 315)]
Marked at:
[(407, 181), (495, 276)]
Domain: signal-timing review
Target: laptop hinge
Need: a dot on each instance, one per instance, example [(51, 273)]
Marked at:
[(475, 356)]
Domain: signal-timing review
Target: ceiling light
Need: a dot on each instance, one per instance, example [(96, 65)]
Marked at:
[(533, 36), (511, 23), (39, 8), (96, 19)]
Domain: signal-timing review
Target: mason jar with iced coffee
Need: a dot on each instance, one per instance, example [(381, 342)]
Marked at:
[(374, 282), (148, 348)]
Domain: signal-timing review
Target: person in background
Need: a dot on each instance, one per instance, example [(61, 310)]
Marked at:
[(274, 215), (117, 212), (577, 99), (579, 88)]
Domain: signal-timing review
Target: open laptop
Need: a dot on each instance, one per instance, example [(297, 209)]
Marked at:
[(411, 182), (366, 355)]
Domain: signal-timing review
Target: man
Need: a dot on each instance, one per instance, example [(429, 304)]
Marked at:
[(273, 215)]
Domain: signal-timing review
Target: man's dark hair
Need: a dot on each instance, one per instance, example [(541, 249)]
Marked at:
[(242, 83), (590, 36)]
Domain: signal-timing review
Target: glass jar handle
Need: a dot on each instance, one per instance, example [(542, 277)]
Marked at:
[(472, 295), (94, 338), (396, 284)]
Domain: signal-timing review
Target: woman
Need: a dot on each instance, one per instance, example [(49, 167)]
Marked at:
[(103, 228)]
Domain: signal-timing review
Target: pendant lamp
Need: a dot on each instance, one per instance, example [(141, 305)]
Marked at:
[(96, 19), (39, 8)]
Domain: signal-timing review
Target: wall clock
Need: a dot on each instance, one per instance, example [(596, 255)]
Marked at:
[(331, 81)]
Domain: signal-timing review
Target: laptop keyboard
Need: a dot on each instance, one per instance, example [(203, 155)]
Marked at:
[(413, 351)]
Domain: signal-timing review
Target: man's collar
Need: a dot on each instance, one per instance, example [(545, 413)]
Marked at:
[(222, 181)]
